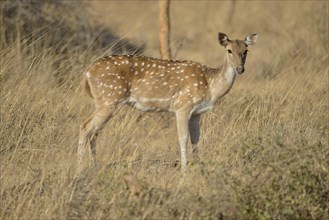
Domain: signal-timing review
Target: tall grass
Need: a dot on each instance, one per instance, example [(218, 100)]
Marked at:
[(264, 148)]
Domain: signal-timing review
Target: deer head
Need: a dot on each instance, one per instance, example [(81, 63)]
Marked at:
[(237, 50)]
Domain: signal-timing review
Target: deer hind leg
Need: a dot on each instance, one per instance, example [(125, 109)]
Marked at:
[(194, 129), (88, 133), (182, 119)]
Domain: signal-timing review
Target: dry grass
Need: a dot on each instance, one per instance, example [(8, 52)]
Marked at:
[(264, 148)]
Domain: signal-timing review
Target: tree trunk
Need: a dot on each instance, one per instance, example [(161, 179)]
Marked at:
[(164, 32)]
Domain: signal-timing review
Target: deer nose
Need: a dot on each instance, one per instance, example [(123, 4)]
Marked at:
[(239, 69)]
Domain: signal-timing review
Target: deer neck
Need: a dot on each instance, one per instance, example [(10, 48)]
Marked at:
[(221, 81)]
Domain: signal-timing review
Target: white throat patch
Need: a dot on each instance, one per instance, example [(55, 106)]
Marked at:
[(230, 75)]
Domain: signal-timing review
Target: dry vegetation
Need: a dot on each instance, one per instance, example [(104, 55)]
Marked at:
[(264, 149)]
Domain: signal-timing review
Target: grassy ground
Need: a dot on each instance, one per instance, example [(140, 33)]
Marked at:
[(264, 148)]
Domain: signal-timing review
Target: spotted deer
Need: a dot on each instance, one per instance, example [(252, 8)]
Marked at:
[(185, 88)]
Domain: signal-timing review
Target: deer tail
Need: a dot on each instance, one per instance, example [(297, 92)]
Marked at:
[(87, 88)]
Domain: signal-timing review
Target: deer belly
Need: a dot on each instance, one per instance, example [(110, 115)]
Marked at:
[(203, 107), (150, 104)]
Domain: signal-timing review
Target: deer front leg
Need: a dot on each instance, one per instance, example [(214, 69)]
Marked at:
[(194, 128), (182, 118)]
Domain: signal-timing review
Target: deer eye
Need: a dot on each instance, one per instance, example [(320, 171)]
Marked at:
[(229, 51)]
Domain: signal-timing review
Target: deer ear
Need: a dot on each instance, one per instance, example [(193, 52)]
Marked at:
[(223, 39), (251, 39)]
